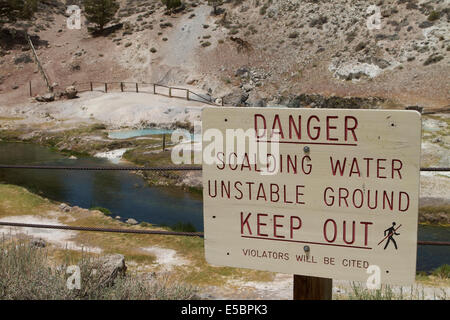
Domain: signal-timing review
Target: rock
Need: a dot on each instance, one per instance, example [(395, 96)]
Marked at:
[(436, 140), (73, 158), (247, 87), (233, 98), (111, 267), (38, 243), (191, 80), (415, 108), (23, 58), (117, 217), (131, 221), (64, 207), (244, 97), (48, 97), (241, 71), (71, 92), (425, 24)]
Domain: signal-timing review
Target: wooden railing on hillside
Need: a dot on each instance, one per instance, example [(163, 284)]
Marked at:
[(141, 87)]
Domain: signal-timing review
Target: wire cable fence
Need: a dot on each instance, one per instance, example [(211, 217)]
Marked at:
[(168, 168), (138, 231), (149, 232)]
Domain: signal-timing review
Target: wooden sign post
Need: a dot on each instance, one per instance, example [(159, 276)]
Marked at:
[(312, 288), (319, 193)]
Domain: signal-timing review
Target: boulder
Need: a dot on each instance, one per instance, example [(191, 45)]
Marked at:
[(71, 92), (38, 243), (48, 97), (111, 267), (131, 221), (64, 207)]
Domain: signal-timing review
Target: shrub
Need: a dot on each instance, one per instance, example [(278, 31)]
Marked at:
[(433, 59), (434, 15), (105, 211), (442, 272), (293, 35), (171, 4), (181, 227)]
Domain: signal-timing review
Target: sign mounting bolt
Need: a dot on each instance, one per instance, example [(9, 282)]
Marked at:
[(306, 149)]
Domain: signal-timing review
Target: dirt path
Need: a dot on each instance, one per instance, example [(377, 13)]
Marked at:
[(179, 58)]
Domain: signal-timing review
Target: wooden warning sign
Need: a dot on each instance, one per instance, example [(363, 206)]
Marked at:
[(316, 192)]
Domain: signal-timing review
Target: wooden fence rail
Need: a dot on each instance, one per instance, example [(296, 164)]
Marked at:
[(141, 87)]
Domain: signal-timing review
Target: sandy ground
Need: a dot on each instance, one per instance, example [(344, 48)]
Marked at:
[(115, 156), (166, 258), (281, 288), (60, 238), (113, 109)]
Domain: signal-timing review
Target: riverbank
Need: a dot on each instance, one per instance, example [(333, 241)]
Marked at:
[(92, 140), (182, 257), (81, 127)]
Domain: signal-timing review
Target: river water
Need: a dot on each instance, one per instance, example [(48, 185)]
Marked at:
[(128, 195)]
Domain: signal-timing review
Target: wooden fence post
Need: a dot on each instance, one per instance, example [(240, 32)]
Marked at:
[(137, 87), (170, 92), (154, 88), (31, 93), (92, 88), (121, 86), (164, 142), (106, 87), (312, 288), (187, 95)]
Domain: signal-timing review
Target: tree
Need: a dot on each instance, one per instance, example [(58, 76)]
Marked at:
[(100, 12), (215, 4), (171, 4), (13, 10)]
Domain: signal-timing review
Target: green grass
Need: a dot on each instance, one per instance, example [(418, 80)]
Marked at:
[(16, 200), (442, 272), (105, 211)]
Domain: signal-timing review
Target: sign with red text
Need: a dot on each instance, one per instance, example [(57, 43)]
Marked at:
[(317, 192)]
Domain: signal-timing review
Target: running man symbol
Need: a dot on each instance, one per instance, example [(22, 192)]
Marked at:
[(389, 234)]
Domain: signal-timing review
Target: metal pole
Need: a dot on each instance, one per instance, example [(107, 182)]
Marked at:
[(312, 288), (31, 93), (164, 142)]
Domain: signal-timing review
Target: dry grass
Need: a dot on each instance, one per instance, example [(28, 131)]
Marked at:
[(18, 201), (27, 273)]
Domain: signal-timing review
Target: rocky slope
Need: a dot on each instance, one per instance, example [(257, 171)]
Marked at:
[(253, 52)]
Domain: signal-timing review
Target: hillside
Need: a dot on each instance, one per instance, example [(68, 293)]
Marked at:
[(253, 52)]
